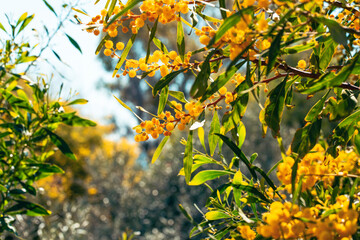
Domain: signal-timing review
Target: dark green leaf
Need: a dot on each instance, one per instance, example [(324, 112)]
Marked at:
[(129, 5), (214, 128), (178, 95), (274, 51), (160, 45), (152, 35), (188, 157), (163, 99), (50, 7), (216, 215), (74, 43), (180, 40), (101, 44), (336, 31), (61, 144), (314, 112), (164, 81)]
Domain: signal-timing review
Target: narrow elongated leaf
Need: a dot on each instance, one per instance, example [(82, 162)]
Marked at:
[(207, 175), (229, 23), (216, 215), (314, 112), (160, 45), (77, 101), (274, 51), (26, 22), (343, 132), (180, 40), (74, 43), (222, 6), (214, 128), (31, 209), (178, 95), (164, 81), (201, 82), (129, 5), (221, 81), (80, 11), (330, 79), (2, 27), (188, 157), (250, 189), (238, 153), (201, 135), (124, 54), (327, 53), (336, 31), (101, 44), (50, 7), (152, 35), (163, 99), (21, 18), (61, 144), (159, 149), (274, 107), (110, 10)]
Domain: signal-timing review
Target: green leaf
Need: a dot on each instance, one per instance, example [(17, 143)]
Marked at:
[(305, 138), (25, 23), (159, 149), (74, 120), (216, 215), (336, 31), (188, 157), (241, 131), (220, 81), (50, 7), (207, 175), (74, 43), (274, 51), (21, 18), (77, 101), (110, 10), (164, 81), (101, 44), (178, 95), (274, 106), (2, 27), (314, 112), (222, 6), (250, 189), (329, 79), (201, 135), (61, 144), (180, 40), (327, 53), (160, 45), (201, 81), (80, 11), (214, 128), (238, 153), (163, 99), (124, 54), (129, 5), (298, 48), (32, 209), (229, 23), (343, 132), (152, 35)]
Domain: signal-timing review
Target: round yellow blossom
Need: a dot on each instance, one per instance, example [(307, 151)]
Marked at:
[(120, 46), (302, 64)]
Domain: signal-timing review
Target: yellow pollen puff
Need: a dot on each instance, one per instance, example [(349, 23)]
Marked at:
[(107, 52), (103, 12), (120, 46), (172, 55), (204, 39), (139, 22), (109, 44), (223, 90), (164, 70), (170, 126), (302, 64), (143, 67), (132, 73)]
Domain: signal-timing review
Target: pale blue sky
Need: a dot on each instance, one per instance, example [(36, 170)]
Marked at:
[(85, 68)]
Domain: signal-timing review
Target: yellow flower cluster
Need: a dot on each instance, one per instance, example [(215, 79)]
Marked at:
[(246, 232), (288, 221), (315, 167)]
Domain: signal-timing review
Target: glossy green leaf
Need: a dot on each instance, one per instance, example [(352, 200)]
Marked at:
[(188, 157), (274, 51), (2, 27), (164, 81), (214, 128), (180, 40), (101, 44), (216, 215), (207, 175), (152, 35), (159, 149), (238, 153), (327, 53), (124, 54), (229, 23), (330, 79), (61, 144), (110, 10), (250, 189), (26, 22), (178, 95), (163, 99), (129, 5), (74, 43), (160, 45), (336, 31), (201, 135), (314, 112), (50, 7), (77, 101)]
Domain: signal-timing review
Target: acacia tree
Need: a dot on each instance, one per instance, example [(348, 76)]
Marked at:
[(246, 45)]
